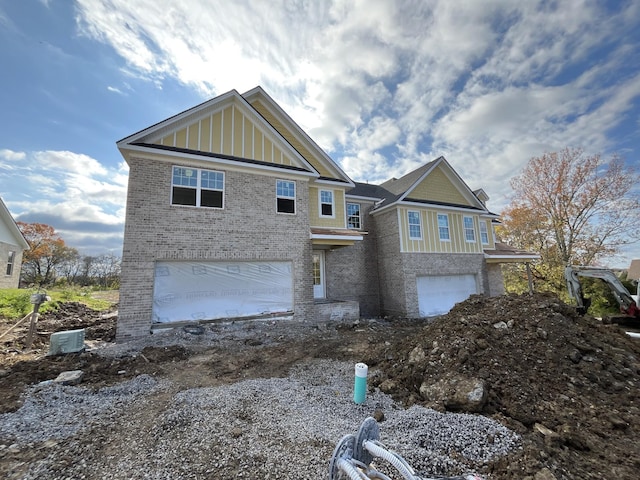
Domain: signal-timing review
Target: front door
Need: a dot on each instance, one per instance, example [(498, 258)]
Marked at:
[(318, 274)]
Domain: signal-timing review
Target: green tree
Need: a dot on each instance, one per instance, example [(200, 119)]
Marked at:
[(572, 208), (47, 250)]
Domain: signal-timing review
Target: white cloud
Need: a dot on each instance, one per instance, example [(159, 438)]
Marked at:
[(386, 85), (79, 197), (69, 162), (11, 156)]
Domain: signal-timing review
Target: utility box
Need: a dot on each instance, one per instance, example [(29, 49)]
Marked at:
[(69, 341)]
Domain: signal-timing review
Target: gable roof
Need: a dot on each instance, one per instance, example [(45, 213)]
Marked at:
[(242, 130), (413, 188), (12, 227), (401, 185), (296, 136)]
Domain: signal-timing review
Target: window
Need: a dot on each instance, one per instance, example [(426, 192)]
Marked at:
[(10, 261), (469, 230), (285, 196), (415, 230), (353, 215), (326, 203), (484, 234), (443, 227), (197, 188)]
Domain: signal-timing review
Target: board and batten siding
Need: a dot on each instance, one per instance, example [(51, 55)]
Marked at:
[(430, 241), (339, 208), (299, 146), (228, 132), (437, 187)]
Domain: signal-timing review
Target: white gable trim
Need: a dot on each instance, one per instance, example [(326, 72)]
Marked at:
[(294, 128), (12, 226)]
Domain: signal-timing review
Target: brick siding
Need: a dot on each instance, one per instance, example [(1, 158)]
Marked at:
[(248, 228), (352, 272)]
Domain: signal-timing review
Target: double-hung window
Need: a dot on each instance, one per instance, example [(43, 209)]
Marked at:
[(415, 228), (10, 261), (197, 188), (326, 203), (443, 226), (353, 215), (469, 229), (285, 196), (484, 233)]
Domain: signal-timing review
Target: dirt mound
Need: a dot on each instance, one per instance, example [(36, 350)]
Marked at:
[(569, 384), (98, 325)]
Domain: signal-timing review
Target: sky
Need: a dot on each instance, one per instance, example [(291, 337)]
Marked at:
[(383, 86)]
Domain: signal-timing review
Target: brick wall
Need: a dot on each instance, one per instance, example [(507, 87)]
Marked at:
[(495, 280), (417, 264), (352, 272), (390, 270), (248, 228), (398, 271)]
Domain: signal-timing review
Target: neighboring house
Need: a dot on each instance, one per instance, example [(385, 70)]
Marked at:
[(12, 245), (633, 273), (234, 212)]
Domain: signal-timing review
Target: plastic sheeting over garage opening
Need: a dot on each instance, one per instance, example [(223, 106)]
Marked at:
[(187, 291), (437, 294)]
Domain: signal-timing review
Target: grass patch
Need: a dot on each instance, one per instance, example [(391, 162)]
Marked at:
[(16, 303)]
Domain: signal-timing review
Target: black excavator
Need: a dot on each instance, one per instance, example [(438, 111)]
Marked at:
[(629, 310)]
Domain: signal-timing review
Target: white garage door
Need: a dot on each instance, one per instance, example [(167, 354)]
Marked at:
[(437, 294), (185, 291)]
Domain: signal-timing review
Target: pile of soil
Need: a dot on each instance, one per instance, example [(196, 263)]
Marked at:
[(568, 384)]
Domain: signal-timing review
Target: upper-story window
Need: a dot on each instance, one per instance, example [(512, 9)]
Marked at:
[(469, 229), (197, 188), (10, 261), (353, 215), (326, 203), (415, 228), (285, 196), (443, 226), (484, 233)]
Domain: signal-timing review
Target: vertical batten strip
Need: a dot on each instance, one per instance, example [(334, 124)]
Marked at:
[(233, 128), (222, 131)]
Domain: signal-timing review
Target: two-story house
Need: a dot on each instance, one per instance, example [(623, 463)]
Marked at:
[(234, 212)]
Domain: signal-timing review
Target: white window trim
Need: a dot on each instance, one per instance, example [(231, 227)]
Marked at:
[(198, 188), (359, 215), (11, 262), (448, 227), (295, 203), (419, 224), (472, 230), (485, 231), (333, 203)]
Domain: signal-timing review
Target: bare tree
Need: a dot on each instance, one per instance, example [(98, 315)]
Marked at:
[(573, 208)]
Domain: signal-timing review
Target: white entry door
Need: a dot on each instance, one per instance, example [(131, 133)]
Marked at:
[(318, 274)]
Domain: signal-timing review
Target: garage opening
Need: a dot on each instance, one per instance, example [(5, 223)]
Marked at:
[(188, 291), (437, 294)]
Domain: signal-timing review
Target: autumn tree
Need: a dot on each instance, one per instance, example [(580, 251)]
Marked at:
[(572, 208), (47, 250)]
